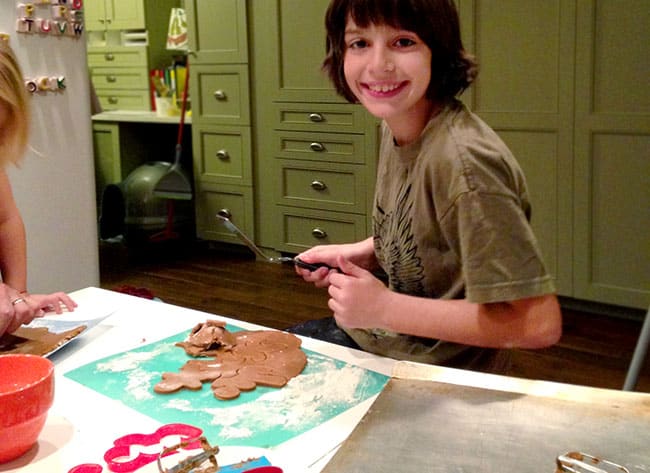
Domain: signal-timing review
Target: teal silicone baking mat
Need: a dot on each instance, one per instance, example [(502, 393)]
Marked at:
[(264, 417)]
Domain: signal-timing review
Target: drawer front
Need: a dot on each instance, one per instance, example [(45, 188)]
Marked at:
[(319, 117), (302, 229), (117, 57), (120, 78), (331, 147), (304, 184), (224, 154), (124, 99), (223, 92), (235, 202)]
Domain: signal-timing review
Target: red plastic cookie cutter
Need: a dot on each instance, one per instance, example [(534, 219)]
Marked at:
[(119, 459)]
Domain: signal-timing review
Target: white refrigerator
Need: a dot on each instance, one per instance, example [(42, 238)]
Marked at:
[(55, 185)]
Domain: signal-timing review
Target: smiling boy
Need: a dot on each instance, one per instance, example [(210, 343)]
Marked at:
[(451, 218)]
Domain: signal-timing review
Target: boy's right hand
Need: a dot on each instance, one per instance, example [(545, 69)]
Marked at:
[(319, 254)]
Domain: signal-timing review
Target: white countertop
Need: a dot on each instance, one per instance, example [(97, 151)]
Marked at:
[(83, 423)]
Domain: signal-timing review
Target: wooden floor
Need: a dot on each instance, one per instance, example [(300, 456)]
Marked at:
[(595, 349)]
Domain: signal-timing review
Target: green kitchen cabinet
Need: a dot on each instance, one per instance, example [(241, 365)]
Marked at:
[(315, 153), (106, 148), (561, 83), (221, 116), (126, 40), (103, 15), (219, 33), (611, 179), (291, 34)]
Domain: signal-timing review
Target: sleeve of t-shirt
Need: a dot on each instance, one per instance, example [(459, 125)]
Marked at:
[(501, 259)]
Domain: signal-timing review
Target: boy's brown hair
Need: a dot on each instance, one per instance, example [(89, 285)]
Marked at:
[(434, 21), (14, 132)]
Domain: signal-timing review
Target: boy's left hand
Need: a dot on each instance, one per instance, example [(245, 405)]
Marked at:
[(357, 298)]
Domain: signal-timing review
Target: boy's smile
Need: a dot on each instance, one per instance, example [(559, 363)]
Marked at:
[(389, 70)]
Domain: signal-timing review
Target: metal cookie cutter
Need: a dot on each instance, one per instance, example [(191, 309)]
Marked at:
[(577, 462), (194, 463)]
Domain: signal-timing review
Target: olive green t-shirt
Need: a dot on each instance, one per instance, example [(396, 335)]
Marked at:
[(451, 221)]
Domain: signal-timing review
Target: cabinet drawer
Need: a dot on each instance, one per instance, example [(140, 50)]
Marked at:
[(223, 94), (124, 99), (224, 154), (306, 184), (303, 228), (120, 78), (312, 146), (117, 56), (319, 117), (236, 202)]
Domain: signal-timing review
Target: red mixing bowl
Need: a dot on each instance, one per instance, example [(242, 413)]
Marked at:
[(26, 395)]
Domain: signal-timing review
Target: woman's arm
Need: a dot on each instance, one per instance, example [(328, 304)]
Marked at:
[(13, 247)]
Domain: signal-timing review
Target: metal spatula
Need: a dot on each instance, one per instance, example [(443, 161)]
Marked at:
[(277, 260)]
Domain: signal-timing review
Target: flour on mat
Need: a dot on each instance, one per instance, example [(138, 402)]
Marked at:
[(128, 361), (306, 400)]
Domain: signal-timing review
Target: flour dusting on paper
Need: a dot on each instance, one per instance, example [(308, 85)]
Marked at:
[(305, 400), (264, 417), (139, 380)]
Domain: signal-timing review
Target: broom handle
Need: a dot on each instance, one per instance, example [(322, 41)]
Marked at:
[(183, 102)]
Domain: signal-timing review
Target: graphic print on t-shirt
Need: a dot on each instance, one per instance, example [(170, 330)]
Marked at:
[(395, 245)]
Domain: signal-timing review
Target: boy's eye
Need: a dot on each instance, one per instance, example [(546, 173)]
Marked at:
[(357, 44), (404, 42)]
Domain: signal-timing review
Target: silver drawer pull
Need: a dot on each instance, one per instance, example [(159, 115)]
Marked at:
[(317, 147), (220, 95), (316, 117), (111, 79), (112, 100), (318, 185), (318, 233), (225, 213), (223, 155), (109, 57)]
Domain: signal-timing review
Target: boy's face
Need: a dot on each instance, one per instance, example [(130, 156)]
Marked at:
[(388, 70)]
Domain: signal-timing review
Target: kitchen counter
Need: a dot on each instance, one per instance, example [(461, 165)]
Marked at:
[(137, 116), (472, 411)]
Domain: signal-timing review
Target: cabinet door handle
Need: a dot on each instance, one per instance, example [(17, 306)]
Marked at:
[(111, 79), (109, 57), (318, 185), (317, 147), (112, 100), (319, 233), (316, 117), (223, 155), (220, 95), (225, 213)]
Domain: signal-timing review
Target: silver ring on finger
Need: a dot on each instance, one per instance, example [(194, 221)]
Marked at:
[(17, 301)]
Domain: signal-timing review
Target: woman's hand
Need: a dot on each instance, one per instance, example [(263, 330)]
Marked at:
[(56, 302), (18, 309)]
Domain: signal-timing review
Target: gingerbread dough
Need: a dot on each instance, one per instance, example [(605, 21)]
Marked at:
[(241, 360), (36, 340)]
